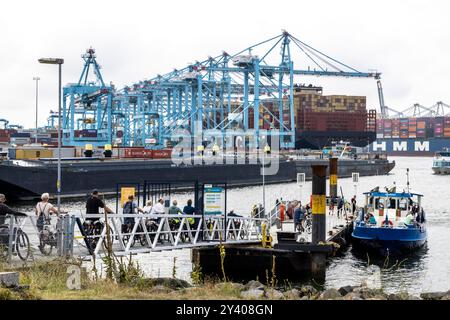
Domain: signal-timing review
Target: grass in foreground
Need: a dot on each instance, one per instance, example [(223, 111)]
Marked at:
[(49, 281)]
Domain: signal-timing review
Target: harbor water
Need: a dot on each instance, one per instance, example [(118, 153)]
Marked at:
[(426, 270)]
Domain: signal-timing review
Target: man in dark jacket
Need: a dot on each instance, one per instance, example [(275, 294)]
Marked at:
[(5, 210)]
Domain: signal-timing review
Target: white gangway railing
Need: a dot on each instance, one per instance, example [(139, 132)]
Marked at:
[(159, 232), (81, 237)]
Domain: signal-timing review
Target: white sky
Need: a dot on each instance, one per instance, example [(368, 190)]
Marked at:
[(408, 41)]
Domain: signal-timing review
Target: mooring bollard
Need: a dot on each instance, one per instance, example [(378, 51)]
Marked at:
[(333, 177), (319, 203)]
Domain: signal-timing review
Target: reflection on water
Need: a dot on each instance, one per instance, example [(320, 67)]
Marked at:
[(426, 270)]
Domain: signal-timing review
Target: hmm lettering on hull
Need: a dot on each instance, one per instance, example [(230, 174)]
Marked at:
[(401, 146)]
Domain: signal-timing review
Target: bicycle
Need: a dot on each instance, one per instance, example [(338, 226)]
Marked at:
[(127, 229), (152, 228), (305, 225), (47, 238), (174, 225), (93, 230), (20, 242)]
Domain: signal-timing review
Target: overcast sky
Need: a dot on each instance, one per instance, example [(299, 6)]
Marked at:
[(408, 41)]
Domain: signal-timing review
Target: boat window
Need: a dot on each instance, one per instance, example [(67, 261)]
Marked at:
[(379, 203), (403, 204), (392, 203)]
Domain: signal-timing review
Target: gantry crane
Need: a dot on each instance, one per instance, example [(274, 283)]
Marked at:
[(86, 114), (220, 96)]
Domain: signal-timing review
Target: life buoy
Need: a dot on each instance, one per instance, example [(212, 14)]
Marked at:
[(383, 224)]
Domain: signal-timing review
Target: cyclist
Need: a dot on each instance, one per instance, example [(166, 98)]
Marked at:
[(93, 204), (174, 209), (299, 214), (148, 209), (189, 209), (43, 211), (5, 210), (130, 207)]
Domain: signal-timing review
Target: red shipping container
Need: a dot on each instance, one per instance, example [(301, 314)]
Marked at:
[(138, 153), (162, 154)]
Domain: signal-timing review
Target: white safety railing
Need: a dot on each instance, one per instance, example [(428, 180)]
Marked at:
[(21, 239), (159, 232)]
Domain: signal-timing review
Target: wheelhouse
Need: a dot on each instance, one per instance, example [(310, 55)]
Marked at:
[(391, 207)]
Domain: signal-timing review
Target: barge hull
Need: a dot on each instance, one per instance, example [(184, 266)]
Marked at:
[(19, 182)]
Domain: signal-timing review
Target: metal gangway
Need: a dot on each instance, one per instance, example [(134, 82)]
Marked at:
[(72, 236), (334, 220)]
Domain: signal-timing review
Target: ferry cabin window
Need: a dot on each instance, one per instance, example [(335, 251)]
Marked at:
[(403, 204), (379, 203), (392, 203)]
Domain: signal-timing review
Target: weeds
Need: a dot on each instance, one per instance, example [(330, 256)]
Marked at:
[(197, 275), (174, 268), (222, 257)]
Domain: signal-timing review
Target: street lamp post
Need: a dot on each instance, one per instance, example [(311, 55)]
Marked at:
[(37, 93), (59, 62)]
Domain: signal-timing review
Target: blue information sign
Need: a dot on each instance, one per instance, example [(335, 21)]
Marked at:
[(213, 201)]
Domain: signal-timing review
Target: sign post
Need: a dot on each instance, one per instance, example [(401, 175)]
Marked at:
[(301, 178), (214, 203), (355, 179), (213, 200)]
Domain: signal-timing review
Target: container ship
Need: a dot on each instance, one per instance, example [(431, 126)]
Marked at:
[(412, 136), (321, 119)]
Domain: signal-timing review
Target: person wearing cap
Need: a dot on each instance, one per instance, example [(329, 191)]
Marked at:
[(5, 210), (93, 204)]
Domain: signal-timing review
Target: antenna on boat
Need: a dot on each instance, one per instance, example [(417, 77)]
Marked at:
[(407, 179)]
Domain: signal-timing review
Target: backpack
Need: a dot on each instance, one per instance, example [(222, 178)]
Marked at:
[(128, 207)]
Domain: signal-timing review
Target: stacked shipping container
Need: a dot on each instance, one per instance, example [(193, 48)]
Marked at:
[(447, 127), (423, 128)]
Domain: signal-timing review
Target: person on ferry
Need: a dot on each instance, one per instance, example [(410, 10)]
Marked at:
[(372, 219), (409, 219)]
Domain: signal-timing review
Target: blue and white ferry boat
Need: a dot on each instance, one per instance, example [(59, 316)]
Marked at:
[(390, 223), (441, 162)]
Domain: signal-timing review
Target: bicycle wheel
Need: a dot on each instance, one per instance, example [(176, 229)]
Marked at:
[(22, 245), (45, 244), (127, 237), (307, 226), (143, 240)]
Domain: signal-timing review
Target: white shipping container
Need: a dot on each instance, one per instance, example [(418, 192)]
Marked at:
[(65, 152)]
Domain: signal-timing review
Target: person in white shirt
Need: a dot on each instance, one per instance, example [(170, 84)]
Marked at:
[(43, 211), (148, 207), (159, 207)]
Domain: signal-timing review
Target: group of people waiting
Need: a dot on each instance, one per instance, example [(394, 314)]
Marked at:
[(342, 206), (130, 207)]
